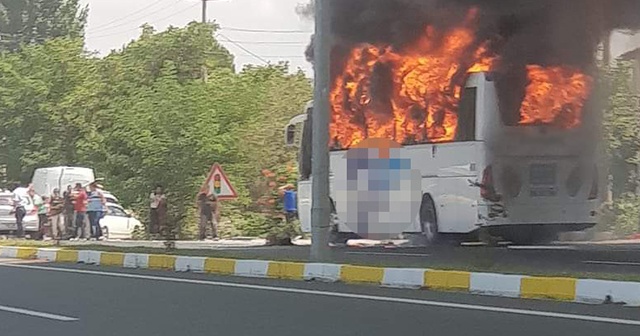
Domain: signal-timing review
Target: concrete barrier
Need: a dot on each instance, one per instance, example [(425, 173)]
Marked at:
[(492, 284)]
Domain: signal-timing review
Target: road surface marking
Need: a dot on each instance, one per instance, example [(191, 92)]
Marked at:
[(614, 263), (38, 314), (492, 309), (391, 254), (549, 247)]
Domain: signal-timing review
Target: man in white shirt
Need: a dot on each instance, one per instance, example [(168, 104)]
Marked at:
[(20, 203), (157, 210)]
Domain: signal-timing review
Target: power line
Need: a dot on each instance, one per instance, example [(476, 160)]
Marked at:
[(131, 21), (256, 56), (281, 43), (252, 55), (246, 30), (129, 15), (161, 19)]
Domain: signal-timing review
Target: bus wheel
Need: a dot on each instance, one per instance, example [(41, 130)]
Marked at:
[(429, 220)]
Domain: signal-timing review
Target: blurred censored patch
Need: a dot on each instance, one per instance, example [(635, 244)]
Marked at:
[(377, 192)]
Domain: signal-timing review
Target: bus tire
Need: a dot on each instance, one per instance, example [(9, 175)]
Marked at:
[(429, 220)]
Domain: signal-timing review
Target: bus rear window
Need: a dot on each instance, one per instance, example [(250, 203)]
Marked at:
[(467, 115)]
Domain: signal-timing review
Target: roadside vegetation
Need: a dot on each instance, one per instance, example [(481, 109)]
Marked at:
[(621, 211), (143, 115)]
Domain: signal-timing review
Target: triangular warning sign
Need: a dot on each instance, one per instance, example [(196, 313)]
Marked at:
[(217, 183)]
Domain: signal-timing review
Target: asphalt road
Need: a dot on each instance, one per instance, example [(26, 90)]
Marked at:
[(86, 300)]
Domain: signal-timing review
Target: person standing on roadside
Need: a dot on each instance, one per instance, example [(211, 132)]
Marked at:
[(157, 212), (209, 215), (205, 213), (56, 215), (289, 198), (39, 203), (80, 208), (69, 212), (20, 202), (95, 208)]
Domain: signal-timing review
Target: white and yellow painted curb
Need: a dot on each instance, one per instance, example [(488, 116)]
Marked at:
[(504, 285)]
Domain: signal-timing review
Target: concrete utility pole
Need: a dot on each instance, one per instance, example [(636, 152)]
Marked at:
[(205, 72), (320, 210), (204, 11)]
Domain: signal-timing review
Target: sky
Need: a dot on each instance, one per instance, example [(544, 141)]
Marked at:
[(276, 33), (621, 43)]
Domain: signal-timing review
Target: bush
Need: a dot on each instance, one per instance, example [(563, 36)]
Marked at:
[(250, 223), (623, 217), (282, 232)]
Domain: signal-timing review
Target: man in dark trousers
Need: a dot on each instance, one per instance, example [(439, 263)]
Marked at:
[(80, 207), (157, 210), (56, 215), (209, 212), (20, 201), (69, 212)]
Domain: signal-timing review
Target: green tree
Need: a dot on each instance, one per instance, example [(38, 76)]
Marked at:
[(622, 127), (143, 116), (48, 105), (35, 21), (622, 138)]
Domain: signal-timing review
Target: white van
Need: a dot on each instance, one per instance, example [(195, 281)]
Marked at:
[(46, 179)]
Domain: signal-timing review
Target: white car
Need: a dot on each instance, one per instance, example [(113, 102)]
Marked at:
[(8, 224), (110, 198), (117, 224)]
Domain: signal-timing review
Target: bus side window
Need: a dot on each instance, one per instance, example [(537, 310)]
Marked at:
[(291, 135), (467, 116), (304, 158)]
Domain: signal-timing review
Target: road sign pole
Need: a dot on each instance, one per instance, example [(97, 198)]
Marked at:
[(320, 211)]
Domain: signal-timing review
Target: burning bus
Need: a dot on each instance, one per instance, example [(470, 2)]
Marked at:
[(493, 106)]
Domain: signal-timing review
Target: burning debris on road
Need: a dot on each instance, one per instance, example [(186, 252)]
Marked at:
[(399, 66)]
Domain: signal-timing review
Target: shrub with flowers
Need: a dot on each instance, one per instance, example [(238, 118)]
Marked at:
[(271, 203)]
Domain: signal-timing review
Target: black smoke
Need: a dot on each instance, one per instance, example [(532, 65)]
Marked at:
[(520, 32), (541, 32)]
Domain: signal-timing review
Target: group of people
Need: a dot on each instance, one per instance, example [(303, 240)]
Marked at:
[(208, 213), (74, 214)]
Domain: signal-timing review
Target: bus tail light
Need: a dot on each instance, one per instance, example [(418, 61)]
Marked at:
[(487, 188), (593, 194)]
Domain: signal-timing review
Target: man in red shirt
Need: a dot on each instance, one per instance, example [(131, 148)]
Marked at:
[(80, 207)]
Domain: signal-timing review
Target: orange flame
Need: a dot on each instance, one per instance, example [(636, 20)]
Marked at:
[(555, 95), (422, 84), (427, 80)]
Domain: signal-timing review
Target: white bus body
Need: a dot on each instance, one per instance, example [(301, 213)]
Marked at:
[(46, 179), (523, 183)]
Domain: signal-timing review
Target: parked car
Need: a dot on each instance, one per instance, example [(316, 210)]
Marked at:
[(110, 198), (8, 220), (117, 224)]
